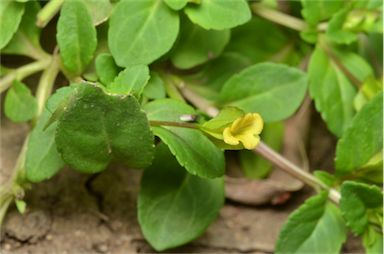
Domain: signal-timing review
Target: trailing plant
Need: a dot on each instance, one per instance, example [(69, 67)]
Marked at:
[(168, 85)]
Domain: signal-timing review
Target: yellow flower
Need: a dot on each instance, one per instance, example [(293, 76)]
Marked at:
[(245, 129)]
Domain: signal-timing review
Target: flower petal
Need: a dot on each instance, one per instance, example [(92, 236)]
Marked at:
[(229, 138)]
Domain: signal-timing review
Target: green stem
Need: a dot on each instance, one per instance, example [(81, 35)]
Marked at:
[(279, 17), (11, 190), (175, 124), (22, 72), (170, 84), (46, 83), (48, 12), (265, 151)]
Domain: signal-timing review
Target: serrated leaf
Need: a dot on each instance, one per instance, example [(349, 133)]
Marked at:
[(76, 36), (26, 40), (316, 11), (97, 128), (106, 68), (356, 199), (189, 50), (363, 139), (11, 13), (99, 10), (184, 205), (155, 87), (132, 80), (19, 103), (42, 159), (193, 150), (144, 30), (258, 87), (176, 4), (218, 14), (315, 227), (331, 90)]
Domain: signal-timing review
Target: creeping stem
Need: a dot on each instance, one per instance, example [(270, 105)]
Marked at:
[(22, 72), (48, 12), (263, 149), (174, 124)]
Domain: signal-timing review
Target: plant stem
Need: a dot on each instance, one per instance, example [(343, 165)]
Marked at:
[(22, 72), (175, 124), (48, 12), (279, 17), (7, 191), (265, 151), (46, 83)]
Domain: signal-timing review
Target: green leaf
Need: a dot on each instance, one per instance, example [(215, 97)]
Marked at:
[(325, 177), (190, 52), (363, 139), (255, 167), (258, 87), (132, 80), (176, 4), (26, 40), (97, 128), (316, 11), (373, 241), (20, 205), (175, 207), (218, 14), (315, 227), (99, 10), (331, 90), (141, 31), (42, 159), (335, 31), (19, 103), (155, 87), (245, 38), (215, 73), (11, 13), (193, 150), (106, 68), (76, 36), (356, 200)]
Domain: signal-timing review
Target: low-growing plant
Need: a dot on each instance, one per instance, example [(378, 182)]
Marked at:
[(168, 85)]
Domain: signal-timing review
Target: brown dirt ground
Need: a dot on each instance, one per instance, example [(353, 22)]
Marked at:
[(75, 213)]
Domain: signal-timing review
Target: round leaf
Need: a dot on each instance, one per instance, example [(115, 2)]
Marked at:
[(97, 128), (190, 52), (19, 104), (273, 90), (141, 31), (174, 206), (219, 14)]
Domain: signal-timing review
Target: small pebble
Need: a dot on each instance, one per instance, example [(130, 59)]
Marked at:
[(7, 246)]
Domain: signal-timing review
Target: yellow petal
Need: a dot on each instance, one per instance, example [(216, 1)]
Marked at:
[(249, 141), (229, 138)]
